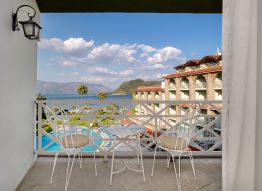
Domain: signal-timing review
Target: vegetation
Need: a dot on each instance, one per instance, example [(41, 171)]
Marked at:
[(47, 127), (128, 86), (82, 90), (40, 97), (101, 95), (75, 118)]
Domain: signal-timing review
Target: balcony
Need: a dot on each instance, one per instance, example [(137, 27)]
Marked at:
[(101, 114), (172, 85), (206, 142), (172, 95), (218, 82)]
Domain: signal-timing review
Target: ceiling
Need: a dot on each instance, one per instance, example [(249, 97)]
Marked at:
[(130, 6)]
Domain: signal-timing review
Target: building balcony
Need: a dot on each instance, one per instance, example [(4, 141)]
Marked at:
[(184, 88), (201, 88)]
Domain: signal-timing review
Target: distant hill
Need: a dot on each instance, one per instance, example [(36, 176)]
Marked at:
[(68, 88), (128, 86)]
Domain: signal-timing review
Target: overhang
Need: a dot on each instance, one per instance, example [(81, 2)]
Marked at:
[(130, 6)]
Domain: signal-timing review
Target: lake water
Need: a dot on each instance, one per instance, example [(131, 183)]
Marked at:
[(86, 97)]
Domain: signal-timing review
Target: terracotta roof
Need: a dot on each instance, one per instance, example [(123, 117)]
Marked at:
[(197, 62), (194, 62), (201, 71), (148, 88)]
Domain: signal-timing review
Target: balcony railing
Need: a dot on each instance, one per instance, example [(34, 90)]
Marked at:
[(99, 115), (218, 84)]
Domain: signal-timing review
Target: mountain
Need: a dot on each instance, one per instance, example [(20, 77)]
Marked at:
[(128, 86), (68, 87)]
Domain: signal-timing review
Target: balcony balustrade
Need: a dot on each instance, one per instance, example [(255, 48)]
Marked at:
[(101, 114), (218, 84)]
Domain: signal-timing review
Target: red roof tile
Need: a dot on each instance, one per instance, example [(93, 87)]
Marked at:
[(201, 71), (148, 88), (196, 62)]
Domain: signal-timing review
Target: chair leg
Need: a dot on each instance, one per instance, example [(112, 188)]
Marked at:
[(95, 163), (178, 183), (137, 153), (192, 163), (67, 171), (142, 164), (153, 167), (112, 166), (168, 160), (70, 172), (80, 159), (53, 171), (179, 171)]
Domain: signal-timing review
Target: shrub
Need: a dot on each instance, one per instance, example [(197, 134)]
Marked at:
[(47, 128)]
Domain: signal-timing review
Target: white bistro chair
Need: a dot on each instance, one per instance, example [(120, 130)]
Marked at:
[(70, 139), (176, 141)]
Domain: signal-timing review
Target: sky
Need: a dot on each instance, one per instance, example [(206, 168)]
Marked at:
[(110, 48)]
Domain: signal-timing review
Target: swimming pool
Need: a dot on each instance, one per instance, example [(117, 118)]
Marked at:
[(55, 147)]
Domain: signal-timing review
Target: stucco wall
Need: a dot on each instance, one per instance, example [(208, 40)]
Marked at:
[(18, 62)]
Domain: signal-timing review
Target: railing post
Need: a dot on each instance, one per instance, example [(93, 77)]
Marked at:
[(39, 119)]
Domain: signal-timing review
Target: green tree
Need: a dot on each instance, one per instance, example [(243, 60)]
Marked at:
[(40, 97), (82, 90), (101, 95)]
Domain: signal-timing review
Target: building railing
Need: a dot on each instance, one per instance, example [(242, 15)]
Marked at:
[(218, 84), (99, 115)]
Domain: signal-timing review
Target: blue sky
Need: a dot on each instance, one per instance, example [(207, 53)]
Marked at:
[(112, 48)]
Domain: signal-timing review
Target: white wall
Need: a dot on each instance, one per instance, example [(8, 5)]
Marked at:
[(18, 62)]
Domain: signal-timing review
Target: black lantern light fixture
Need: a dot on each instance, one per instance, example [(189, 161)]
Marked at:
[(30, 27)]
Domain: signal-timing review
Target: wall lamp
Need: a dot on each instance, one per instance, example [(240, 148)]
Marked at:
[(30, 27)]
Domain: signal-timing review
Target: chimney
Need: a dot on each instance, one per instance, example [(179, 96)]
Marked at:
[(218, 51)]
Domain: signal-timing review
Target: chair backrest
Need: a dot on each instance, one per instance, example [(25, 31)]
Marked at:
[(184, 129), (62, 129)]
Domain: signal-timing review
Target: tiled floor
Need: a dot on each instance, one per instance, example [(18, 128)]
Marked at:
[(209, 176)]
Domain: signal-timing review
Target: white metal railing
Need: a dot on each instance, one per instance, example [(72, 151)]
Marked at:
[(218, 83), (98, 115)]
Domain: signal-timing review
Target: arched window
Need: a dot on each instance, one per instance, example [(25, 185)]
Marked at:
[(185, 89), (218, 81), (172, 84), (200, 88), (185, 84), (218, 86), (157, 96), (201, 83)]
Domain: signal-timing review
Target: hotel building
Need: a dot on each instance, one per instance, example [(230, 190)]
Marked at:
[(198, 79)]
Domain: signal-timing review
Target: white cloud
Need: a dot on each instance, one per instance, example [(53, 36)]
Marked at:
[(92, 79), (165, 54), (105, 72), (158, 66), (75, 74), (69, 63), (110, 62), (70, 45), (127, 72), (113, 53), (146, 48)]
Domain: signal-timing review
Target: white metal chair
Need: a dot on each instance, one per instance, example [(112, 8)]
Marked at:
[(176, 141), (70, 140)]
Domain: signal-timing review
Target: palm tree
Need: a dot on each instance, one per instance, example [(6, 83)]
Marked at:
[(82, 90), (40, 97), (101, 95)]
